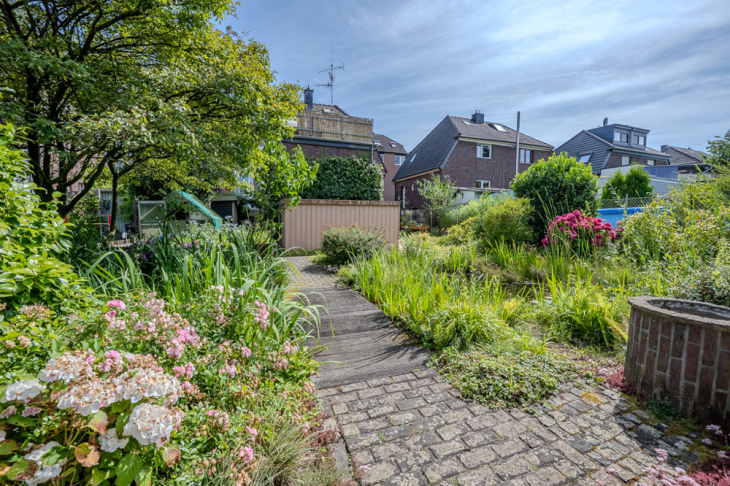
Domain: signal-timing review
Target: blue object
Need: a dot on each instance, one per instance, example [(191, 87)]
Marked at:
[(615, 215)]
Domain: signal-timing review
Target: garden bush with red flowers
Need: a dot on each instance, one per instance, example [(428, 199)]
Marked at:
[(579, 231)]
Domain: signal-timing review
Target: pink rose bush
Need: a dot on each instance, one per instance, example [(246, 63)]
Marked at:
[(575, 229)]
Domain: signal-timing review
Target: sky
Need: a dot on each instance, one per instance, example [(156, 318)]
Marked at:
[(659, 65)]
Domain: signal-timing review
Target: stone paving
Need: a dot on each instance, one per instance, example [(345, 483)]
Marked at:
[(415, 429)]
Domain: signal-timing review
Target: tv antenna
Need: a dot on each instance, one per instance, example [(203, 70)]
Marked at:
[(331, 72)]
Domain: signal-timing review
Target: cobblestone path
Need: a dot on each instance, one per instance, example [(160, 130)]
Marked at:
[(411, 428)]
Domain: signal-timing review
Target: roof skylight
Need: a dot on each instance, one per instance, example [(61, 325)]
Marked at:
[(500, 128), (393, 144), (376, 142), (466, 122)]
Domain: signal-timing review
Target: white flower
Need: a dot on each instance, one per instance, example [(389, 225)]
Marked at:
[(88, 397), (110, 442), (152, 423), (146, 383), (44, 472), (69, 367), (23, 390), (2, 435)]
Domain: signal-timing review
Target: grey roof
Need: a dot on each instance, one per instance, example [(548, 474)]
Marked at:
[(434, 150), (333, 109), (386, 145), (679, 155), (586, 142), (487, 131)]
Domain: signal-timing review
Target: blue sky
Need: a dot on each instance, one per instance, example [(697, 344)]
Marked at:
[(664, 66)]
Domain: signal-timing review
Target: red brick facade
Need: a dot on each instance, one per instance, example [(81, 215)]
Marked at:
[(314, 152), (391, 170), (465, 168)]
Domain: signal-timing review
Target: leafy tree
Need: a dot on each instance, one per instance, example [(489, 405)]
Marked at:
[(719, 149), (351, 178), (439, 192), (285, 179), (635, 183), (32, 235), (123, 85), (556, 186)]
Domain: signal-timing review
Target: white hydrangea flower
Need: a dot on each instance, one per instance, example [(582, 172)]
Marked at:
[(23, 390), (69, 367), (146, 383), (152, 423), (44, 473), (109, 441), (89, 397)]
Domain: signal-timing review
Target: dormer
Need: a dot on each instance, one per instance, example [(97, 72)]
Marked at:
[(622, 135)]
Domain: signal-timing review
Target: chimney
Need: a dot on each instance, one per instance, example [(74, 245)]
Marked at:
[(478, 117), (664, 147), (309, 97)]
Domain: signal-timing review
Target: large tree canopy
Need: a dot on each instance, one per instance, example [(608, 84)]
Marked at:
[(137, 85)]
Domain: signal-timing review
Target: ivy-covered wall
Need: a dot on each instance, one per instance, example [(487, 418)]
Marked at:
[(351, 178)]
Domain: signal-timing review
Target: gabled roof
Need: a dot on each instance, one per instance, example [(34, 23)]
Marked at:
[(587, 142), (679, 155), (434, 150), (331, 109), (388, 145), (488, 131)]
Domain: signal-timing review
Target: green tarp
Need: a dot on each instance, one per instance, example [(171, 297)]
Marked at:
[(181, 196)]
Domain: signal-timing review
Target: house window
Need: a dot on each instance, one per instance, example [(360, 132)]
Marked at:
[(649, 162), (584, 158), (484, 184), (484, 151), (620, 137), (81, 186), (639, 140), (399, 159), (413, 186), (525, 156), (382, 159), (625, 160)]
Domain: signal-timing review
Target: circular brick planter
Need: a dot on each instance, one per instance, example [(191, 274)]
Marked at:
[(679, 351)]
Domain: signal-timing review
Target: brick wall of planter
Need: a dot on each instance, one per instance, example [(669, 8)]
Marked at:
[(679, 351)]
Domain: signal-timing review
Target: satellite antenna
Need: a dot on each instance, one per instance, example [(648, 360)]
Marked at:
[(331, 72)]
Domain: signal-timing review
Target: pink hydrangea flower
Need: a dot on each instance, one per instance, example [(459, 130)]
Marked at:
[(246, 454), (117, 304)]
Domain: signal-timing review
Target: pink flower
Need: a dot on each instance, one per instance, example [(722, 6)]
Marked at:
[(117, 304), (245, 352), (661, 455), (253, 432), (715, 428), (109, 316), (707, 441), (31, 411), (246, 454), (212, 413)]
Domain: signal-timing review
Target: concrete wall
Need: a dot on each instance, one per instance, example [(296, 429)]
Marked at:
[(304, 225), (679, 351)]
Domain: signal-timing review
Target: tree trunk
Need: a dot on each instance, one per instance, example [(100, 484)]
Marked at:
[(115, 185)]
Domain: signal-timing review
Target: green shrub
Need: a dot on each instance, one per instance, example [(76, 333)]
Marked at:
[(342, 245), (506, 374), (32, 237), (507, 221), (635, 183), (351, 178), (463, 232), (472, 208), (710, 282), (556, 186)]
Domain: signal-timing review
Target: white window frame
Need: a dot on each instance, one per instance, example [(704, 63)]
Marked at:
[(617, 137), (480, 184), (402, 159), (526, 151), (650, 162), (588, 159), (480, 151), (625, 160)]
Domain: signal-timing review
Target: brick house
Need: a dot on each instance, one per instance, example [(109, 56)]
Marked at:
[(478, 156), (684, 156), (392, 154), (328, 131), (611, 147)]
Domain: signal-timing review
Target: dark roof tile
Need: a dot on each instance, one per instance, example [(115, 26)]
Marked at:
[(386, 145)]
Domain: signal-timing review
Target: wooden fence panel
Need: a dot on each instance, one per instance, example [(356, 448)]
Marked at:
[(303, 226)]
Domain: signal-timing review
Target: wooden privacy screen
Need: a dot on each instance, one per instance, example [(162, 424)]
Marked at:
[(303, 226)]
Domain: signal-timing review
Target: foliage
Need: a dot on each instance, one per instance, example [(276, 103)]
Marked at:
[(463, 232), (635, 183), (719, 150), (579, 232), (85, 232), (285, 177), (32, 237), (342, 245), (513, 373), (506, 221), (556, 186), (153, 90), (473, 208), (709, 282), (352, 178), (439, 192)]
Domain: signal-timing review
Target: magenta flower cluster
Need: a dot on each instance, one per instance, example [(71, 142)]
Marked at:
[(574, 226)]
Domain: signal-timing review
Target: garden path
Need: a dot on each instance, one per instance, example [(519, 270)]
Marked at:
[(403, 422)]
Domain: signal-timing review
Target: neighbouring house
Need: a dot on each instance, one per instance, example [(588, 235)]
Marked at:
[(478, 156), (393, 156), (328, 131), (611, 147), (684, 156)]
